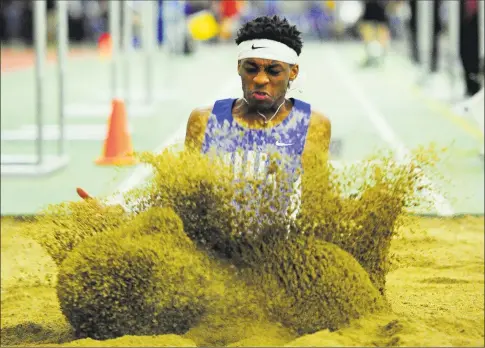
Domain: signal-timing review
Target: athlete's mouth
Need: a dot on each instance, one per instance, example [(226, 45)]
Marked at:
[(260, 95)]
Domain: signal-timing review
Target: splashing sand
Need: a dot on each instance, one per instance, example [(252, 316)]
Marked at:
[(428, 283)]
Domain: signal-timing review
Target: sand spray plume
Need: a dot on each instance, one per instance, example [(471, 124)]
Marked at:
[(198, 244)]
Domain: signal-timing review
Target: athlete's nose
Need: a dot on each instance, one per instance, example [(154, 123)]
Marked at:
[(261, 78)]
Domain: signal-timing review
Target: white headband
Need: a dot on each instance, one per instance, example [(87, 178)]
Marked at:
[(267, 49)]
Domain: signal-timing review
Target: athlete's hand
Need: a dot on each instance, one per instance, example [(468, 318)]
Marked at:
[(87, 197), (83, 194)]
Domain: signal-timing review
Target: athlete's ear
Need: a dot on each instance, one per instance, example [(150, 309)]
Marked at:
[(294, 70), (239, 67)]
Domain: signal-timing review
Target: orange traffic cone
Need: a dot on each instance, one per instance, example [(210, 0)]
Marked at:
[(118, 149)]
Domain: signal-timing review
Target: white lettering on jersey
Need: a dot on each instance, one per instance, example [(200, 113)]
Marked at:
[(247, 164)]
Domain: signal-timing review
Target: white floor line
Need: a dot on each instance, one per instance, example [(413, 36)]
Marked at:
[(142, 172), (443, 207)]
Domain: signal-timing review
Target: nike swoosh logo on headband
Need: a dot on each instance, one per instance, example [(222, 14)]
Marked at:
[(256, 48)]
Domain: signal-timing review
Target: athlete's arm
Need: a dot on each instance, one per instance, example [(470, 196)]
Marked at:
[(317, 146), (194, 136), (318, 137)]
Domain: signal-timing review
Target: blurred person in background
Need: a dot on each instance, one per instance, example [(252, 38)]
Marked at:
[(435, 38), (3, 22), (26, 23), (9, 19), (76, 20), (318, 18), (136, 21), (374, 30), (95, 23), (194, 6), (473, 69), (413, 31), (469, 46), (18, 20), (261, 7), (229, 11)]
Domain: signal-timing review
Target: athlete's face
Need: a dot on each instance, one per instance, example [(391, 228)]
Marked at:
[(265, 81)]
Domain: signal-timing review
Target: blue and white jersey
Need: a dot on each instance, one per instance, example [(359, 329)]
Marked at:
[(248, 151)]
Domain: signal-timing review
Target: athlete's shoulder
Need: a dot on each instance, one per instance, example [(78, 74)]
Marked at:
[(319, 119), (200, 113), (196, 126), (319, 133)]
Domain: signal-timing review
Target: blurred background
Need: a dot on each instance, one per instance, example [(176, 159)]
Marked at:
[(389, 75)]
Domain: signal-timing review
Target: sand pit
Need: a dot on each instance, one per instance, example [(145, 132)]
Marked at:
[(218, 267), (435, 289)]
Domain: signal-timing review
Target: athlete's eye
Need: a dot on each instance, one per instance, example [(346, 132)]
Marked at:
[(251, 70), (274, 72)]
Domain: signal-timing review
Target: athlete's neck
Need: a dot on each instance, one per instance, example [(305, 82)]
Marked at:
[(276, 113)]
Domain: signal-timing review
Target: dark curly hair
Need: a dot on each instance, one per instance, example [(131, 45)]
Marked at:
[(271, 28)]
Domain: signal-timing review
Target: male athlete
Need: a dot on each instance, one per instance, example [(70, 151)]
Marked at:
[(263, 121), (246, 131)]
